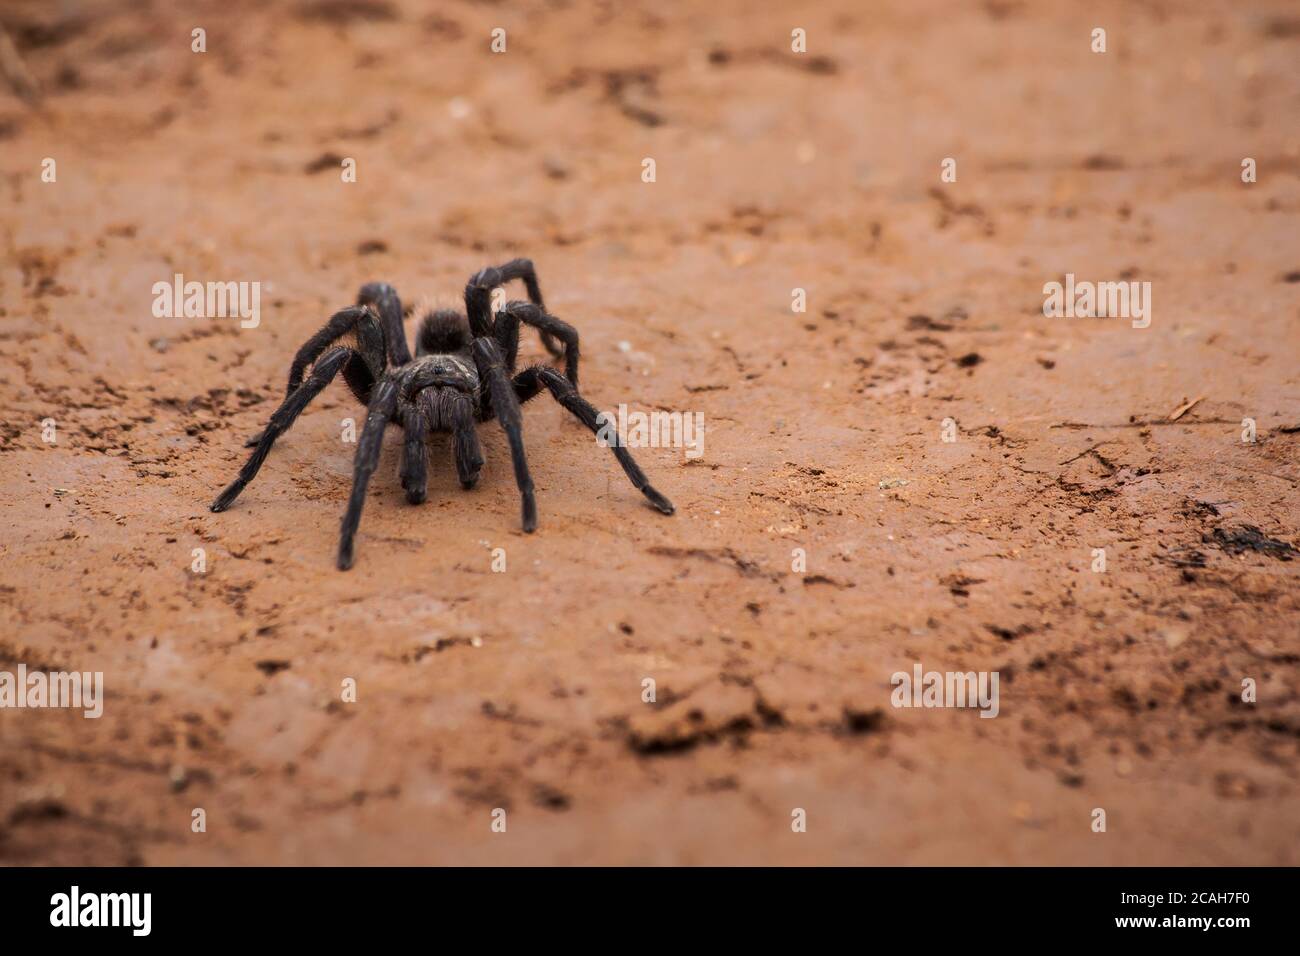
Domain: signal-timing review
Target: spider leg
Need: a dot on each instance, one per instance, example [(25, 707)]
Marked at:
[(478, 301), (523, 268), (322, 374), (538, 318), (530, 381), (502, 400), (383, 401), (415, 452), (389, 307), (339, 324), (468, 452), (505, 330), (370, 345)]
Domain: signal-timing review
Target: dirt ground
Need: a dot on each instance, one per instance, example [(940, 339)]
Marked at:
[(477, 690)]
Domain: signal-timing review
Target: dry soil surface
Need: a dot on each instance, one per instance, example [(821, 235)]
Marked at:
[(522, 690)]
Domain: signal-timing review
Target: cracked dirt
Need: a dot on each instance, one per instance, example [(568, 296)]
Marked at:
[(523, 690)]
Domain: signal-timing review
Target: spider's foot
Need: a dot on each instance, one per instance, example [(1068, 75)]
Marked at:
[(658, 500), (530, 515), (416, 490), (226, 498), (345, 558), (469, 482)]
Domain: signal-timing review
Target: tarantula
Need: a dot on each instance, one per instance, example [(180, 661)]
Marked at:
[(462, 374)]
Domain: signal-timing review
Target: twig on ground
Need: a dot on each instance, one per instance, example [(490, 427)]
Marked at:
[(1184, 408)]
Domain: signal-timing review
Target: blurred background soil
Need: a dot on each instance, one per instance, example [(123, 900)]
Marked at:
[(774, 171)]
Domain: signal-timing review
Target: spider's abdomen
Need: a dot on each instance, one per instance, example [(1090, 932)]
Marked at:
[(442, 332)]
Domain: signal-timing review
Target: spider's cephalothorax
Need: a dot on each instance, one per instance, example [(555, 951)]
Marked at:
[(463, 373)]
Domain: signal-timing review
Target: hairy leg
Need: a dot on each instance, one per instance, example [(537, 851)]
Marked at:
[(339, 324), (370, 348), (530, 381), (389, 307), (468, 452), (382, 402), (501, 396), (505, 330), (517, 269), (322, 374), (539, 319), (415, 453), (523, 269)]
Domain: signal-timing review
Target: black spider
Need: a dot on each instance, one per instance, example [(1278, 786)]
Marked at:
[(461, 375)]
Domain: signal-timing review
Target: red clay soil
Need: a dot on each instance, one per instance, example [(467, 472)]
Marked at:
[(477, 690)]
